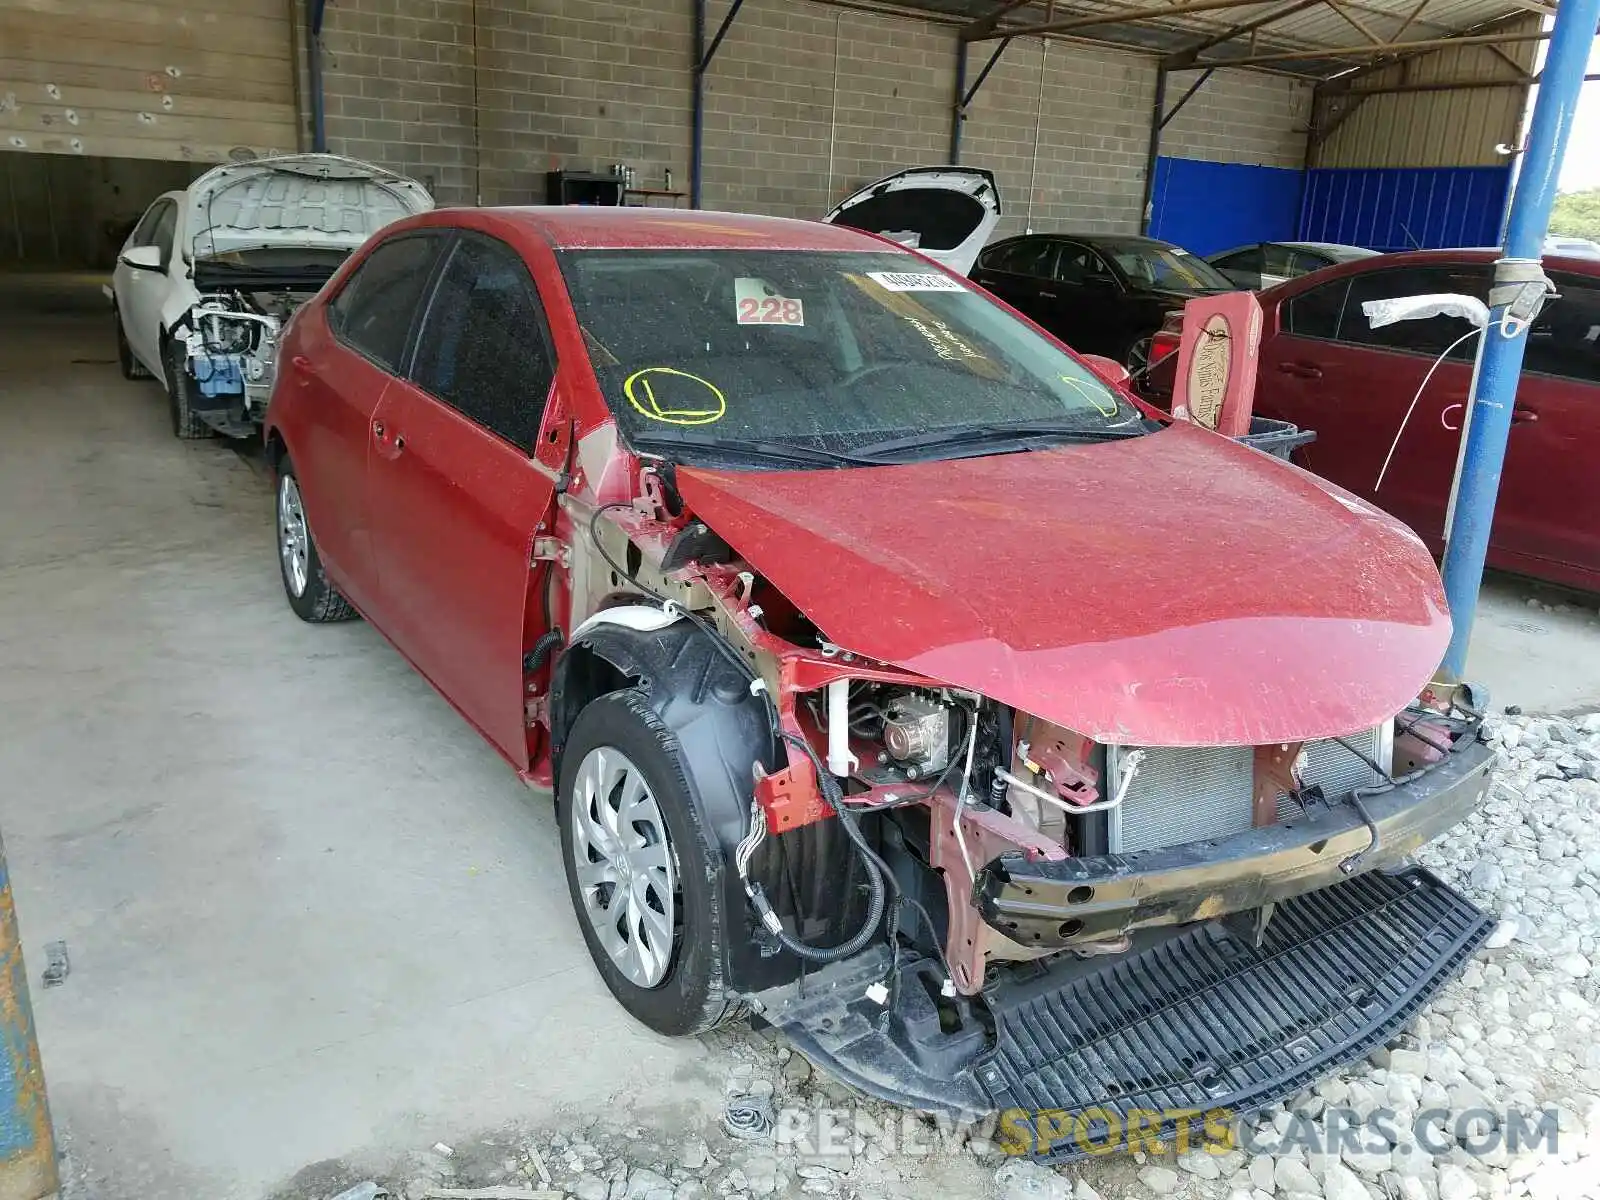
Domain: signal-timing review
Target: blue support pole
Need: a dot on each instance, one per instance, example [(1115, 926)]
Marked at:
[(1500, 362), (28, 1169)]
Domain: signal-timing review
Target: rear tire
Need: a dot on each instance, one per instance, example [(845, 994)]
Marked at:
[(132, 368), (1136, 355), (623, 807), (185, 424), (305, 581)]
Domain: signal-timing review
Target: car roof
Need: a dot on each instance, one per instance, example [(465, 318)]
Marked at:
[(606, 227), (1427, 258)]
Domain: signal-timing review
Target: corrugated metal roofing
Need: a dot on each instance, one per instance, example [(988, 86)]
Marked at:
[(1320, 27)]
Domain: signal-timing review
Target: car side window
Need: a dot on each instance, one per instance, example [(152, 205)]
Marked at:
[(374, 309), (144, 232), (1565, 338), (1431, 337), (1242, 266), (166, 229), (483, 348), (1031, 256), (1315, 313), (1303, 262), (1276, 260), (1079, 264)]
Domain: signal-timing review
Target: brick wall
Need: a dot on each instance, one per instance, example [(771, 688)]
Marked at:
[(1239, 117), (804, 103)]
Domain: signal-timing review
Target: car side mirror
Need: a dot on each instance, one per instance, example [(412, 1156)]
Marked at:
[(143, 258), (1107, 370)]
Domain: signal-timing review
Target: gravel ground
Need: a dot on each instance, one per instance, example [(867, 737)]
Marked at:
[(1514, 1039)]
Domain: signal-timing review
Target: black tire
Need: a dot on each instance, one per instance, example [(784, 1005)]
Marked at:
[(132, 368), (185, 424), (692, 997), (1136, 354), (316, 599)]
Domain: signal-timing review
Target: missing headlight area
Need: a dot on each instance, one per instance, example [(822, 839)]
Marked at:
[(232, 343)]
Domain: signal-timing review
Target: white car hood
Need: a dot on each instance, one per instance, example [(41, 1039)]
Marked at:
[(320, 200), (946, 213)]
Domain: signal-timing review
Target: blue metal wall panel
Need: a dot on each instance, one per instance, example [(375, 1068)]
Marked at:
[(1209, 206), (1405, 208)]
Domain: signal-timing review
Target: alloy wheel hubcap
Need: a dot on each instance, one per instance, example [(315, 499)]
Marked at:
[(627, 874), (294, 540)]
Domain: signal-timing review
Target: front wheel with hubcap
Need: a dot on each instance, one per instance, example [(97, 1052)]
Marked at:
[(639, 867), (305, 582)]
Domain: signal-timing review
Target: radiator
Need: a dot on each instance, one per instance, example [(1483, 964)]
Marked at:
[(1186, 794)]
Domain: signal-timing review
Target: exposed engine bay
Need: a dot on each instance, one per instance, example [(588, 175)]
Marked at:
[(940, 890), (231, 335)]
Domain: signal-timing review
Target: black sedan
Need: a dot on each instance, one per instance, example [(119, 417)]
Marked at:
[(1100, 295)]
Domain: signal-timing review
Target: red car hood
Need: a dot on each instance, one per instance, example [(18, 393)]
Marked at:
[(1171, 590)]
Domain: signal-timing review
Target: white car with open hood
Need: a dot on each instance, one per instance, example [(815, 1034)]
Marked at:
[(208, 277), (946, 213)]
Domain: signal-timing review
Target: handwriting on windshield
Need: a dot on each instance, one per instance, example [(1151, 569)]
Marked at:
[(674, 397)]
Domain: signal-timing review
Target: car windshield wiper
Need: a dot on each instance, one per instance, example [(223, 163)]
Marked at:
[(787, 452), (1000, 433)]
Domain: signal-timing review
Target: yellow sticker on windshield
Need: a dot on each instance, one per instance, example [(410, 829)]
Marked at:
[(695, 401)]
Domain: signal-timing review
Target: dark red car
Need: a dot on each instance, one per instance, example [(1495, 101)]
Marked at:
[(898, 676), (1325, 368)]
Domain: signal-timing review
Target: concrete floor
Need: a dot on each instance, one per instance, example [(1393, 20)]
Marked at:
[(310, 913)]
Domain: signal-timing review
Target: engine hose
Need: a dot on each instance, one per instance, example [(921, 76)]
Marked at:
[(877, 870), (541, 651), (832, 793)]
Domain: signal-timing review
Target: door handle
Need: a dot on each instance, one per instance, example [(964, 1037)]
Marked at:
[(1523, 416), (1300, 370), (1047, 295), (377, 430)]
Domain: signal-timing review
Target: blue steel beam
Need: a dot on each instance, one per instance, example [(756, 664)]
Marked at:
[(1500, 361)]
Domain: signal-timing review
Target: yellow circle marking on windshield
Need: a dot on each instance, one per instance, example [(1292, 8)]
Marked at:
[(643, 397), (1078, 386)]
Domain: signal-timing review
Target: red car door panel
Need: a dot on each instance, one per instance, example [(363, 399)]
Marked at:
[(341, 358), (339, 390), (453, 512), (1550, 487), (1328, 370), (452, 493)]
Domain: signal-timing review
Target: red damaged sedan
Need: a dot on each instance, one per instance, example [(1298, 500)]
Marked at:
[(900, 678)]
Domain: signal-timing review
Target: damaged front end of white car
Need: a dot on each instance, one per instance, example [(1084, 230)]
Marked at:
[(266, 236)]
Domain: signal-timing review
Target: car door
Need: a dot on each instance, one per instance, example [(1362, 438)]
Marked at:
[(452, 491), (1018, 271), (340, 362), (1328, 370), (1549, 505), (1086, 303), (142, 291)]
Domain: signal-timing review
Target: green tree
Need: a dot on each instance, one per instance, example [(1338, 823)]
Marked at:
[(1577, 214)]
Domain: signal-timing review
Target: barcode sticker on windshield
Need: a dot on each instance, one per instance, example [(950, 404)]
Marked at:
[(900, 281), (756, 302)]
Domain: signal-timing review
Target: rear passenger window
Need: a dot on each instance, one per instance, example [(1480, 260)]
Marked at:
[(1315, 314), (373, 310), (1565, 339), (483, 348), (1032, 257), (1431, 337)]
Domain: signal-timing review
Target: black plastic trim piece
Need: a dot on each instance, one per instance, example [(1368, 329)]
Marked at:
[(1204, 1022), (1075, 900)]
